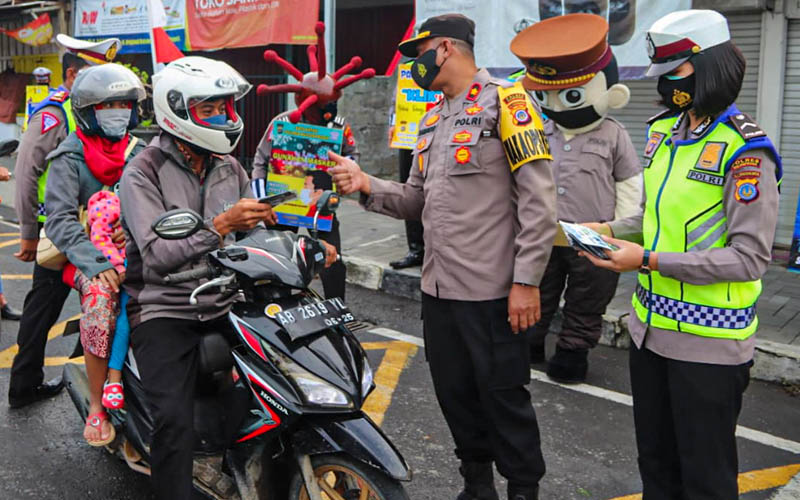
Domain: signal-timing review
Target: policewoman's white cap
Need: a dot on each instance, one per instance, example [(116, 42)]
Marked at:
[(99, 52), (676, 37), (42, 74)]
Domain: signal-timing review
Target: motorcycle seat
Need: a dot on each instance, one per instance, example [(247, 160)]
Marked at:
[(215, 353)]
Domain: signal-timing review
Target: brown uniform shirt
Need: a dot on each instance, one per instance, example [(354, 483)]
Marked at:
[(751, 229), (33, 148), (587, 168), (485, 227), (264, 149)]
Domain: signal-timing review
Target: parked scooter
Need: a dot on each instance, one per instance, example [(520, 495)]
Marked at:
[(283, 395)]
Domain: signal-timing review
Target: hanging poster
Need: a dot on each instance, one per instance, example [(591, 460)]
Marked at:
[(37, 32), (411, 104), (217, 24), (128, 21), (628, 23)]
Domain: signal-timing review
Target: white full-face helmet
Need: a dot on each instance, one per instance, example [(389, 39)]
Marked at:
[(188, 81)]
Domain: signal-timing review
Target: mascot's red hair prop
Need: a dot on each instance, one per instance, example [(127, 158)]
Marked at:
[(317, 87)]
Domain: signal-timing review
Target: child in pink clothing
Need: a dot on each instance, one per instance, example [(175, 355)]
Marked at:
[(104, 212)]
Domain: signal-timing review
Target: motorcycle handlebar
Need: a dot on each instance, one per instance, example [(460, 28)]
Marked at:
[(190, 275)]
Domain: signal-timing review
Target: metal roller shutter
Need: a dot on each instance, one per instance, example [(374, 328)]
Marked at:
[(745, 32), (790, 136)]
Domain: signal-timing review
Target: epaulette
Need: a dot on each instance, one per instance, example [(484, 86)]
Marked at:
[(59, 96), (664, 114), (339, 122), (746, 126)]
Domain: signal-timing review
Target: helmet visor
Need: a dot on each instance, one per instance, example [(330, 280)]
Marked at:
[(215, 112)]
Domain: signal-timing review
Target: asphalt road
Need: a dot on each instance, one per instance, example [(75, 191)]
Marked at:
[(587, 436)]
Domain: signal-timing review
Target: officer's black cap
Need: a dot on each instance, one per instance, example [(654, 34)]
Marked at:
[(447, 25)]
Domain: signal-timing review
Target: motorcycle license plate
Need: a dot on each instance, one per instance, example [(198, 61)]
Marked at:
[(310, 318)]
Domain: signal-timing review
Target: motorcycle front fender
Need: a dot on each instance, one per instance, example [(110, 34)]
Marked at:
[(356, 436)]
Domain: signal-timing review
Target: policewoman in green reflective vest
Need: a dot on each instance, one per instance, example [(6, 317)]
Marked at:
[(711, 202)]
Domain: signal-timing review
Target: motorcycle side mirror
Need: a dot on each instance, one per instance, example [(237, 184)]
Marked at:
[(177, 224), (8, 146), (328, 203)]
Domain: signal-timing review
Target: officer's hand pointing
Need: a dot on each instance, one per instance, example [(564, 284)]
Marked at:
[(348, 175), (524, 308)]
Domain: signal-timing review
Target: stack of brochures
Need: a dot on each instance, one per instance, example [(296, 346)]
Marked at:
[(582, 238)]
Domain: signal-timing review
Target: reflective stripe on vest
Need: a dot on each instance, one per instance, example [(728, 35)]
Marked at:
[(684, 184), (66, 107)]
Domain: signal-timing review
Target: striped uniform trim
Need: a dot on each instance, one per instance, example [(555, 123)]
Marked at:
[(696, 314), (564, 81)]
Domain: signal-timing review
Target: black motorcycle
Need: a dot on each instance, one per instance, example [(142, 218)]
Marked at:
[(282, 395)]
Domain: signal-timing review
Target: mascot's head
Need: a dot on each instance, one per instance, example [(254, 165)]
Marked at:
[(318, 91), (571, 70)]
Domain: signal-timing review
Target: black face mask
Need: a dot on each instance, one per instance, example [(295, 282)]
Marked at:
[(573, 118), (424, 69), (677, 94)]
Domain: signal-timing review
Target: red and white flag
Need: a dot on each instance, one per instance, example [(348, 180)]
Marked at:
[(165, 50)]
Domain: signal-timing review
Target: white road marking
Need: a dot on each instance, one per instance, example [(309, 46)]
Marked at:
[(617, 397), (8, 223), (376, 242)]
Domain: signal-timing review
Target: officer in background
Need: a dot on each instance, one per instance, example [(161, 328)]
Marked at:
[(333, 278), (483, 186), (711, 205), (42, 76), (50, 123), (573, 75)]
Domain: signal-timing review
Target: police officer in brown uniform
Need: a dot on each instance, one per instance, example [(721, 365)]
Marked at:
[(483, 186), (574, 77), (50, 123)]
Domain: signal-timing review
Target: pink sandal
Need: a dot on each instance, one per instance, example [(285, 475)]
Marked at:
[(113, 396), (96, 421)]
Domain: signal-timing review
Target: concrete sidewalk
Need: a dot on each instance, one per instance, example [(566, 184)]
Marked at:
[(370, 241)]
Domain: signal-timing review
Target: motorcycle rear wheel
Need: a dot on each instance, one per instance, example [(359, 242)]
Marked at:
[(341, 478)]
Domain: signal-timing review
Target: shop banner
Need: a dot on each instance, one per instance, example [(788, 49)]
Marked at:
[(37, 32), (127, 20), (299, 151), (628, 20), (216, 24), (410, 105)]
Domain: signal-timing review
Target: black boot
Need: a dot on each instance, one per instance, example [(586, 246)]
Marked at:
[(413, 258), (478, 481), (568, 366), (523, 492)]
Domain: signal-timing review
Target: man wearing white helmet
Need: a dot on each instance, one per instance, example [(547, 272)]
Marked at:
[(711, 181), (187, 166)]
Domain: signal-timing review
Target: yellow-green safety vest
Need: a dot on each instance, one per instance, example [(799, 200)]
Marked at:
[(685, 213), (65, 106)]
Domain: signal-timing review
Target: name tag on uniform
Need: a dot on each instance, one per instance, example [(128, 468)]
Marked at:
[(716, 180)]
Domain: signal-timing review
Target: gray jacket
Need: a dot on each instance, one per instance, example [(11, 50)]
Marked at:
[(159, 180), (70, 184)]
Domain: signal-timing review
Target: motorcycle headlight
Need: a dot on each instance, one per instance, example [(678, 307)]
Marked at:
[(315, 390), (319, 392), (366, 379)]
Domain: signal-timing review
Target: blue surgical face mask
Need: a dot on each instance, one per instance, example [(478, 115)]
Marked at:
[(218, 120)]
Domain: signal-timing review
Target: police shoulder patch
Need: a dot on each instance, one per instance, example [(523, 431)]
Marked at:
[(49, 121), (746, 126), (746, 190), (59, 96)]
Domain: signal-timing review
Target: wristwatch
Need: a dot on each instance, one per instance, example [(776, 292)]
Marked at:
[(645, 269)]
